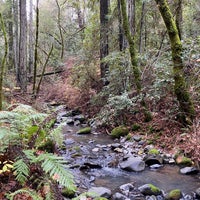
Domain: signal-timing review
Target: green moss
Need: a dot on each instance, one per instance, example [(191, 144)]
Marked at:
[(128, 137), (175, 194), (66, 192), (153, 151), (119, 131), (154, 189), (85, 130), (135, 127), (100, 198), (182, 160)]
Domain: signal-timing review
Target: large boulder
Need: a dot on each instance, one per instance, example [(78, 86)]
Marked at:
[(133, 164)]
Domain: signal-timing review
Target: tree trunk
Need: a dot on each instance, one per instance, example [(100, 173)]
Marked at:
[(31, 43), (22, 71), (179, 16), (136, 72), (121, 34), (3, 61), (36, 50), (180, 88), (10, 36), (60, 30), (16, 36), (131, 15), (141, 26), (104, 10)]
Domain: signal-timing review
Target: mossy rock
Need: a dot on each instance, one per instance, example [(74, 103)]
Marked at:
[(86, 130), (174, 195), (135, 127), (66, 192), (100, 198), (119, 131), (154, 189), (182, 160), (129, 137), (153, 152)]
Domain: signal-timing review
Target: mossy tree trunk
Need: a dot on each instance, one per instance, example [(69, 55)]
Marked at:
[(130, 38), (3, 61), (185, 103)]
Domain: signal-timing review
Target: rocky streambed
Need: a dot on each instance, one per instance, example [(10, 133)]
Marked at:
[(123, 169)]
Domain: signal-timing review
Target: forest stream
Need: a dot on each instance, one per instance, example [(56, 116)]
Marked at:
[(95, 158)]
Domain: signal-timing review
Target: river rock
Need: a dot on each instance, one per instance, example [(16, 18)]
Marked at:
[(189, 170), (101, 191), (85, 130), (155, 166), (174, 195), (119, 196), (69, 141), (149, 189), (80, 118), (153, 159), (126, 188), (152, 197), (70, 121), (197, 193), (133, 164)]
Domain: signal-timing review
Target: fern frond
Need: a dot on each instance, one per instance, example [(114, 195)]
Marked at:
[(36, 117), (57, 135), (9, 115), (31, 156), (21, 170), (55, 166), (31, 193)]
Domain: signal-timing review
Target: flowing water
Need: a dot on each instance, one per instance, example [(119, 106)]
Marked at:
[(166, 177)]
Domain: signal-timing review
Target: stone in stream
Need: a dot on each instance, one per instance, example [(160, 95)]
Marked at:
[(149, 189), (126, 188), (101, 191), (79, 118), (133, 164), (189, 170), (175, 194), (153, 159), (197, 193), (119, 196)]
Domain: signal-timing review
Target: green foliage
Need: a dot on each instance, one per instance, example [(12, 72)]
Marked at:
[(21, 170), (153, 151), (135, 127), (116, 109), (30, 192)]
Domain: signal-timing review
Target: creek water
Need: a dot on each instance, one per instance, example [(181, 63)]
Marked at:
[(93, 148)]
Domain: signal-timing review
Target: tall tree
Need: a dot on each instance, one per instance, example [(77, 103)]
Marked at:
[(10, 35), (131, 41), (3, 61), (141, 26), (16, 35), (180, 88), (30, 36), (179, 16), (104, 10), (22, 70)]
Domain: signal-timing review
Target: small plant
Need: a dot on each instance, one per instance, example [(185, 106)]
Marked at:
[(135, 127)]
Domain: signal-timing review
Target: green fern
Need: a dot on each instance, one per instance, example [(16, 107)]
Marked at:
[(31, 193), (55, 166), (21, 170), (57, 135)]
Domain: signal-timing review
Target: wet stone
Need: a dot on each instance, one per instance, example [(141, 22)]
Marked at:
[(69, 141), (119, 196), (101, 191), (189, 170)]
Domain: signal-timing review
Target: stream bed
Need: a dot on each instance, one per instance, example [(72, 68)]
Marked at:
[(94, 160)]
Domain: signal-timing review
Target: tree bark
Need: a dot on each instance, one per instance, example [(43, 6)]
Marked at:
[(31, 43), (36, 49), (16, 35), (22, 71), (3, 62), (60, 30), (185, 103), (104, 10), (179, 16), (141, 26), (136, 72)]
